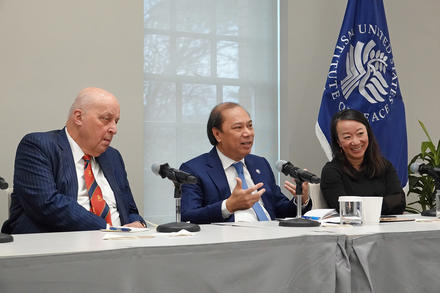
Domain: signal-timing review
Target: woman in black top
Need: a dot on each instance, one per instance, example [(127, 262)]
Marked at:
[(358, 167)]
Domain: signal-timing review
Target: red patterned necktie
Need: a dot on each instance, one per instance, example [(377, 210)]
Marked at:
[(98, 205)]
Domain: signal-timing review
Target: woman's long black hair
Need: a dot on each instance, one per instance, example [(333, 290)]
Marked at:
[(373, 163)]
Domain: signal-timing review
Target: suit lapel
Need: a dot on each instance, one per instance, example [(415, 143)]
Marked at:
[(106, 166), (217, 174), (255, 173), (67, 165)]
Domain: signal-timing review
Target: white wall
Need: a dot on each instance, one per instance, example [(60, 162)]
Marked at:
[(53, 48), (50, 49)]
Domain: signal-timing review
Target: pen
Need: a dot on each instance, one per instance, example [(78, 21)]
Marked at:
[(121, 229), (310, 218)]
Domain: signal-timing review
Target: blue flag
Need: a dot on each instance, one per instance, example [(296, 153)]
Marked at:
[(363, 76)]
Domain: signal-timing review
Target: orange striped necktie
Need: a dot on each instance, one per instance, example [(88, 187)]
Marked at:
[(98, 206)]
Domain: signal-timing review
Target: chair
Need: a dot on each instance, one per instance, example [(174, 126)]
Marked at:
[(6, 237), (9, 193), (318, 201)]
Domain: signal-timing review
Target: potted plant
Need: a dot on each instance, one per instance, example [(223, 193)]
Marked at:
[(423, 185)]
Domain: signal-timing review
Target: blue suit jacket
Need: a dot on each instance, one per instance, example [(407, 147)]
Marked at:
[(201, 202), (46, 187)]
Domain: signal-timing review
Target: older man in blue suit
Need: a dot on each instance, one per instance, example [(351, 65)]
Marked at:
[(50, 190), (233, 184)]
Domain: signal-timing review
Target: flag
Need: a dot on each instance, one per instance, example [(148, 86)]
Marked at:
[(363, 76)]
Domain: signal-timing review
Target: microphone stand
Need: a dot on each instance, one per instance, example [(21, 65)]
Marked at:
[(298, 221), (4, 238), (178, 225)]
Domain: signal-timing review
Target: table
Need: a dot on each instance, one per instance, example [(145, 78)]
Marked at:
[(260, 258), (257, 257)]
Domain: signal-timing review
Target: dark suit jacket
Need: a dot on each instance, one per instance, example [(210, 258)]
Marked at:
[(201, 202), (46, 187)]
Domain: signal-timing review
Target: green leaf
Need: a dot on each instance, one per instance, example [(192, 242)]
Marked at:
[(436, 154), (427, 145), (423, 186), (412, 210), (426, 131)]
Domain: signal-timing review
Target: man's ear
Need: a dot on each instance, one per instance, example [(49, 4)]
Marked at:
[(78, 116), (216, 132)]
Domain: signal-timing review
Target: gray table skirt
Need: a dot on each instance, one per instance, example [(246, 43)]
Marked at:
[(387, 262), (395, 262), (297, 264)]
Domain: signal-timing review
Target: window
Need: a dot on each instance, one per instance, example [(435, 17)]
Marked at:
[(198, 53)]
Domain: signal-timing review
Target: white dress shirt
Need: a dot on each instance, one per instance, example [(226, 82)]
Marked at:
[(247, 215), (83, 196)]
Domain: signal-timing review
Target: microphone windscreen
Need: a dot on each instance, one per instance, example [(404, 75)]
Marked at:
[(155, 168), (414, 167), (3, 183), (279, 165)]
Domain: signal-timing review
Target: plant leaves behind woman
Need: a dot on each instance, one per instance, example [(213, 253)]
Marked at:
[(423, 185)]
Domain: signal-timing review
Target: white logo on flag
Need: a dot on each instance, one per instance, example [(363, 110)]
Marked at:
[(364, 68)]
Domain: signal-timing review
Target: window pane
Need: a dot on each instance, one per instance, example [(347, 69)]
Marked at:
[(227, 59), (227, 16), (157, 14), (193, 16), (193, 57), (231, 94), (160, 101), (156, 53), (197, 132), (160, 146), (197, 102)]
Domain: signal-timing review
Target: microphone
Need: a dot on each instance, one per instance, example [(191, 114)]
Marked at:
[(3, 183), (174, 175), (288, 168), (178, 177), (419, 168)]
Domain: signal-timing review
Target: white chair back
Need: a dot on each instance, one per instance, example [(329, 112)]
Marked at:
[(318, 201), (8, 194)]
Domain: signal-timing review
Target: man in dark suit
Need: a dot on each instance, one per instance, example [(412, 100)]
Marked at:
[(51, 169), (220, 194)]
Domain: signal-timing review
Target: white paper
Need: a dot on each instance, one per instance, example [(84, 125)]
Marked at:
[(321, 213)]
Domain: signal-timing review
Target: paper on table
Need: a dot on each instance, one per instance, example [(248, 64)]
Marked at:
[(387, 219), (430, 219), (112, 236), (259, 224), (332, 220), (124, 229), (320, 214), (130, 236)]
